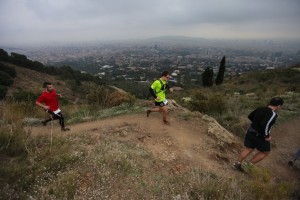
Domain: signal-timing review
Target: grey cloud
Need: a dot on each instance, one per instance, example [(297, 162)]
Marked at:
[(111, 19)]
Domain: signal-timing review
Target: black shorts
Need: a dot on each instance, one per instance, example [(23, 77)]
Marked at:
[(255, 141), (160, 104)]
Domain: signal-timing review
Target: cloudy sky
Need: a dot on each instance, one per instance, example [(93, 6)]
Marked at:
[(39, 21)]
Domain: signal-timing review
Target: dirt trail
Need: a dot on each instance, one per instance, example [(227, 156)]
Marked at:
[(186, 143), (285, 142)]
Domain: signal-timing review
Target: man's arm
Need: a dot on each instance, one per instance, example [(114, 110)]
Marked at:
[(251, 115), (152, 92), (267, 122), (42, 105)]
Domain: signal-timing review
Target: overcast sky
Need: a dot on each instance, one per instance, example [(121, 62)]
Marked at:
[(37, 21)]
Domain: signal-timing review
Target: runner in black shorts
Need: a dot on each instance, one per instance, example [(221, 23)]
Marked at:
[(158, 91), (258, 135), (254, 140)]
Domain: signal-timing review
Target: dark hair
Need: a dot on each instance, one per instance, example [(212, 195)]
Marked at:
[(276, 101), (45, 84), (165, 73)]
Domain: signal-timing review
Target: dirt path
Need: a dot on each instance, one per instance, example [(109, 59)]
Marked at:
[(285, 142), (186, 143)]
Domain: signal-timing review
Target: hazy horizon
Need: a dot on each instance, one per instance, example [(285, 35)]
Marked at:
[(43, 21)]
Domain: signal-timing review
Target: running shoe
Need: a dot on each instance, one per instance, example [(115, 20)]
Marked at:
[(238, 166), (148, 112), (65, 129)]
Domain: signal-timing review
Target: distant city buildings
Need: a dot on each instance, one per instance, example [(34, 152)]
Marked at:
[(144, 62)]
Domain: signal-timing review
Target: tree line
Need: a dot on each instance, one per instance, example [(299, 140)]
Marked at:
[(65, 72), (7, 73)]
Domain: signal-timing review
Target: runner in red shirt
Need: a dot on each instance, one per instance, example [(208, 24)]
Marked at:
[(48, 101)]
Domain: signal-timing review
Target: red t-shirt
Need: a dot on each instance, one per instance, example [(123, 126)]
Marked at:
[(50, 99)]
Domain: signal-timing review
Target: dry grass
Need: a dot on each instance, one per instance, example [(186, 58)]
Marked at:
[(237, 106), (91, 166)]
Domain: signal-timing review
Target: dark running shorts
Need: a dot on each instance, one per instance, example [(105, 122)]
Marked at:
[(160, 104), (253, 141)]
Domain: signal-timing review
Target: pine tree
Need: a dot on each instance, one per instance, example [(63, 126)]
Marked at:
[(220, 76), (207, 77)]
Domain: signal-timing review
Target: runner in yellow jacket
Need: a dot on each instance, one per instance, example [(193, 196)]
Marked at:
[(158, 91)]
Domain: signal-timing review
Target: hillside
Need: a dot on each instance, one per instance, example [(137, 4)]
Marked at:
[(198, 140), (193, 141), (130, 156), (32, 81)]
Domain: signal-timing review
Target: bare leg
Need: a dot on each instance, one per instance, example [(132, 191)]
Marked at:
[(297, 155), (244, 154), (258, 157), (165, 114), (156, 109)]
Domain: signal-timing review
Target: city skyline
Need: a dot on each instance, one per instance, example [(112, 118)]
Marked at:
[(45, 21)]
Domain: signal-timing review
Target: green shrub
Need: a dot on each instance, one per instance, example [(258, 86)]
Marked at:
[(25, 96), (13, 112), (64, 187), (10, 71), (261, 186), (98, 95), (116, 98), (138, 89), (217, 103), (212, 103), (5, 79), (107, 98), (3, 55), (13, 139), (3, 91)]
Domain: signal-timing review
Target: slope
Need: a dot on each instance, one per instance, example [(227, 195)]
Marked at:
[(31, 81), (192, 140)]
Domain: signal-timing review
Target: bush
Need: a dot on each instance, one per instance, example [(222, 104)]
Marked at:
[(140, 90), (117, 98), (5, 79), (3, 55), (12, 111), (11, 71), (199, 102), (261, 186), (13, 139), (98, 96), (107, 98), (214, 103), (25, 96), (3, 91)]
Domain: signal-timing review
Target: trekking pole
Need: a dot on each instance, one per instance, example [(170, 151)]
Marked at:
[(51, 135)]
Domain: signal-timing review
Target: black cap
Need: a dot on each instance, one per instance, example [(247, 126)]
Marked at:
[(276, 101)]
